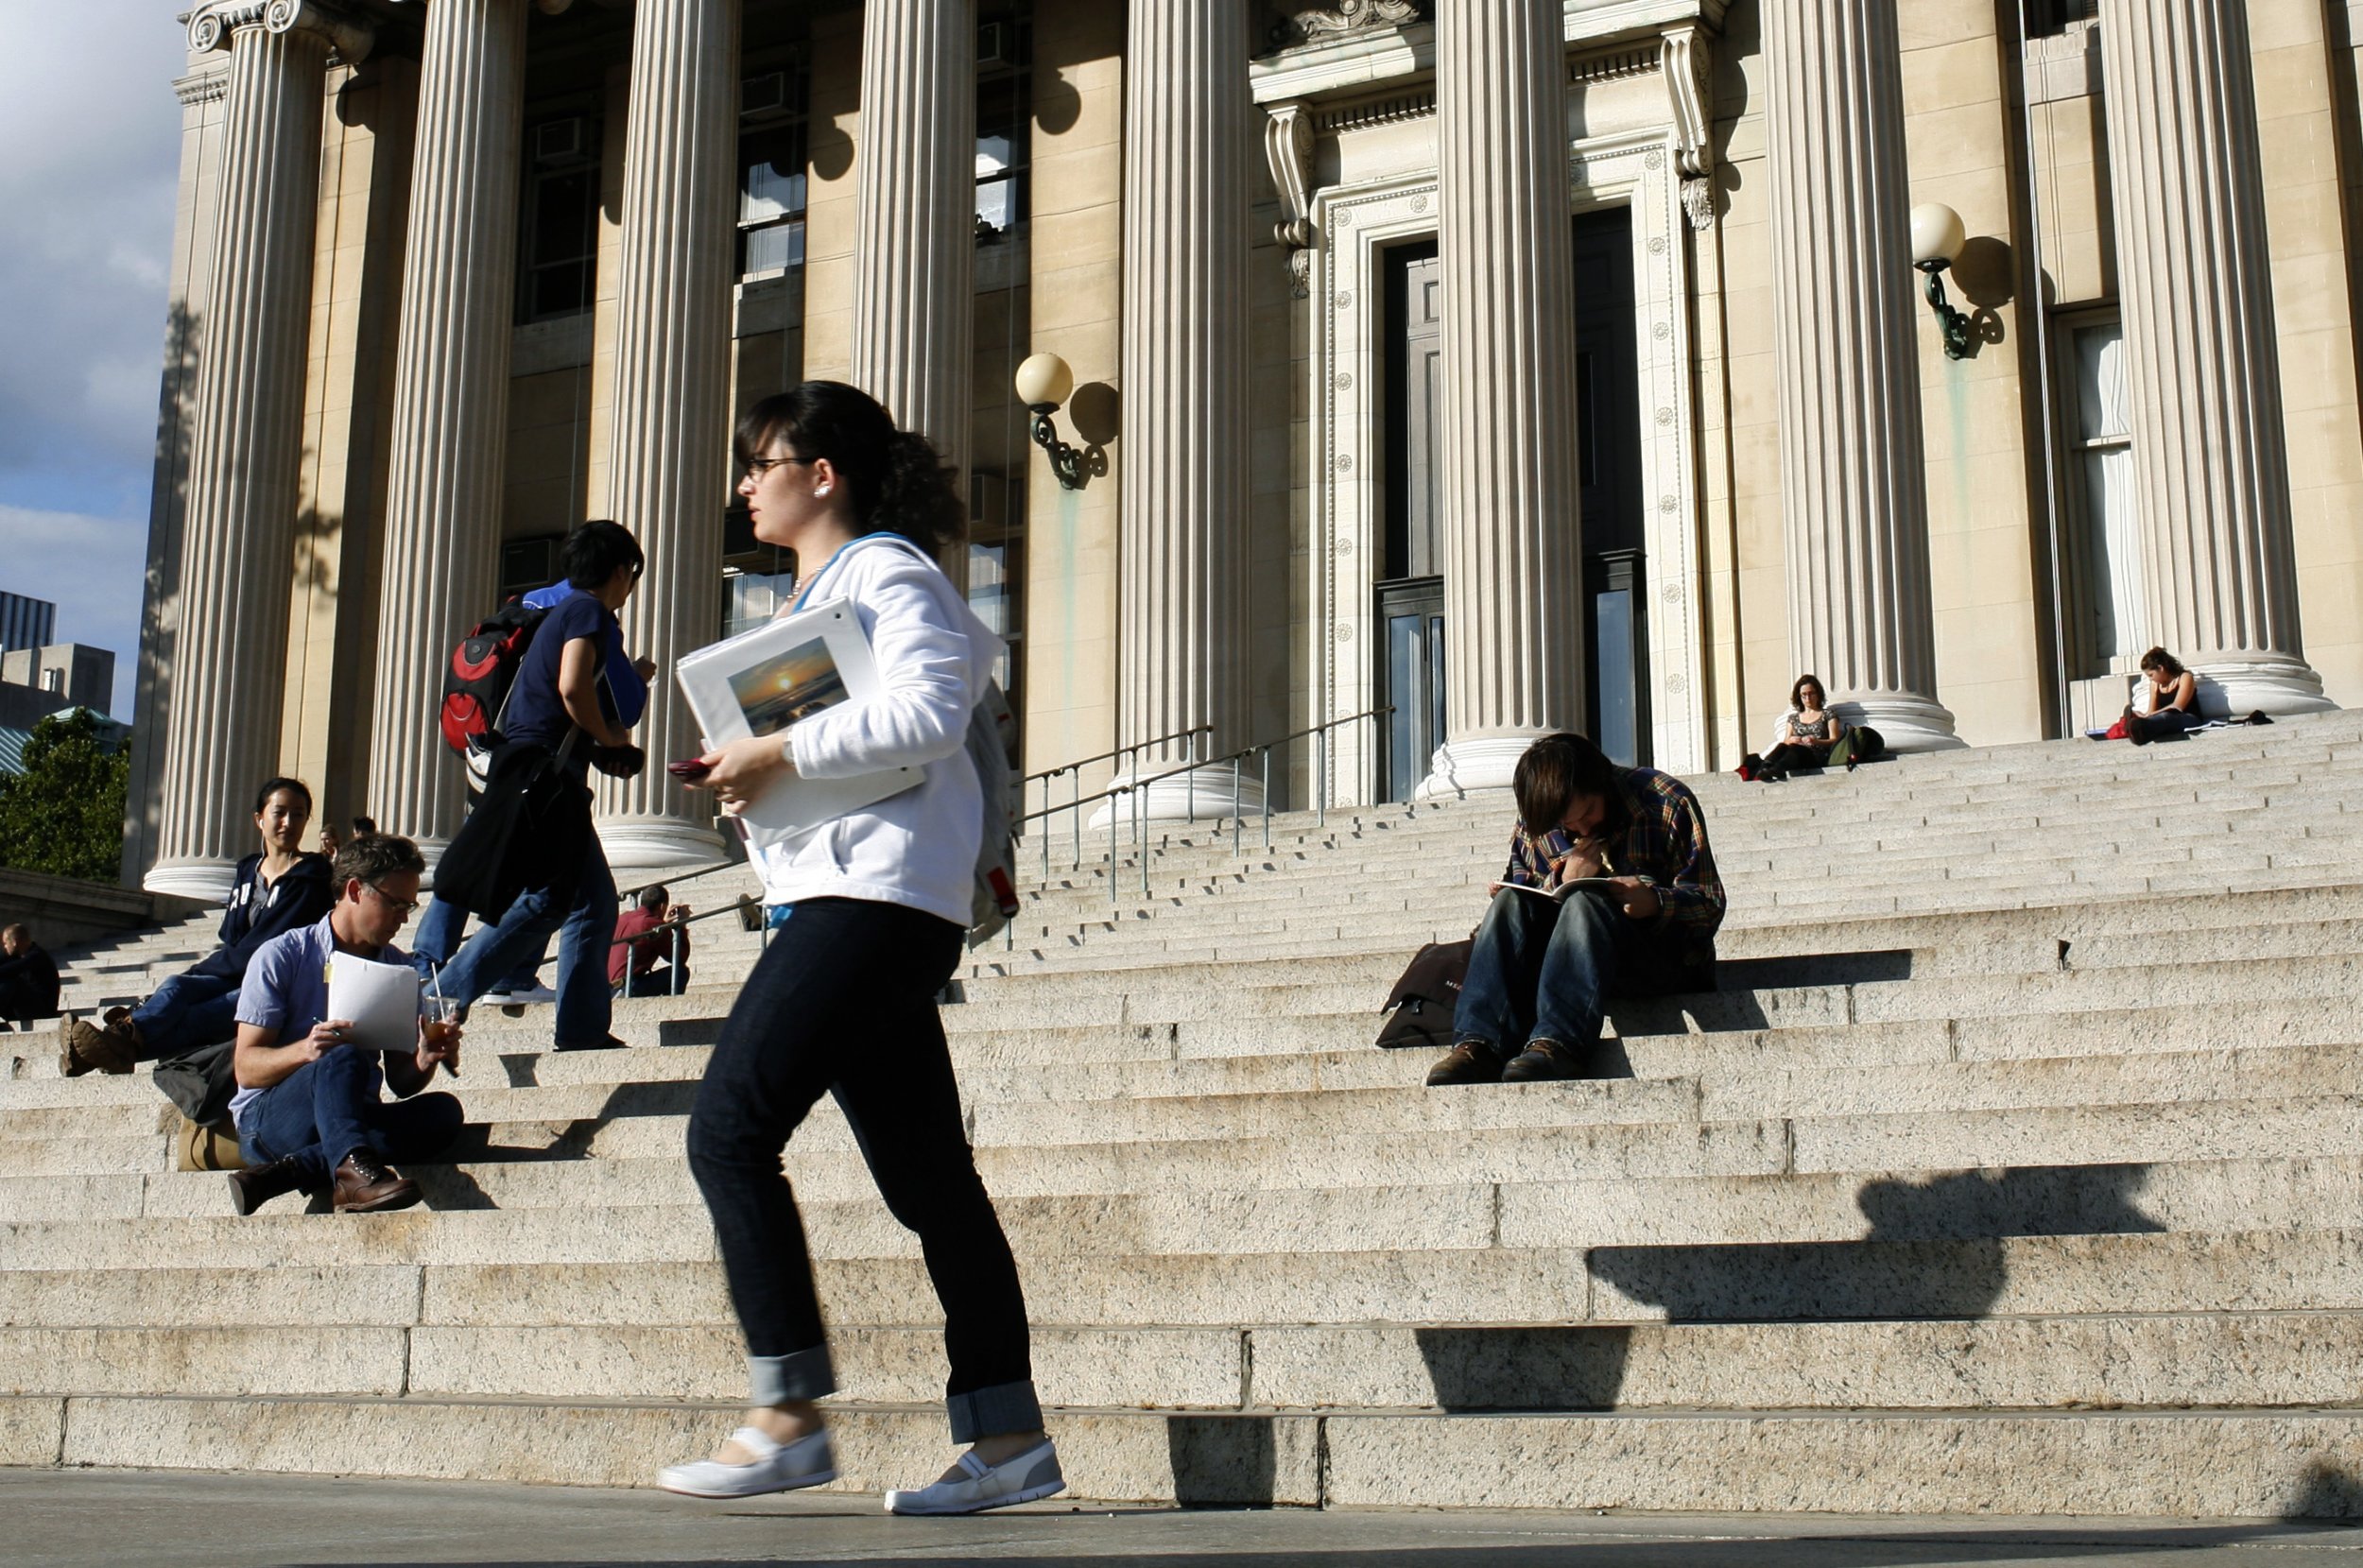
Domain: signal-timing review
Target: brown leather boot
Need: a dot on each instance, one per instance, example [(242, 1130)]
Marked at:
[(367, 1185), (251, 1189), (89, 1047), (1471, 1062)]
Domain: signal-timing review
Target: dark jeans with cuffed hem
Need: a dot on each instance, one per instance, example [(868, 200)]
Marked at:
[(843, 1003), (187, 1010), (325, 1110), (1541, 970)]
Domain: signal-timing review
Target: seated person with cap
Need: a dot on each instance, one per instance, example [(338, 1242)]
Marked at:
[(308, 1110)]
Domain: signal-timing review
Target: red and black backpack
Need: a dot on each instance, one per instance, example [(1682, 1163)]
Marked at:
[(476, 685)]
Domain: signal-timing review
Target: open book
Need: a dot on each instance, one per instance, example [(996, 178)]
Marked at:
[(761, 681), (1560, 893)]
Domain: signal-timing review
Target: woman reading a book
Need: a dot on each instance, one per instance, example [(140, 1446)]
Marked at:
[(842, 1002)]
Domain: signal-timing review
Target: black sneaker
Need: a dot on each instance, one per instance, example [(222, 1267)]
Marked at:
[(605, 1042), (1471, 1062), (1542, 1062)]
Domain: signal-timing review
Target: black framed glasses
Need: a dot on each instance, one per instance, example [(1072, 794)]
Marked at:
[(405, 908), (758, 467)]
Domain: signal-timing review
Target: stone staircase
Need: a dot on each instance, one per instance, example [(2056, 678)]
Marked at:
[(2017, 1167)]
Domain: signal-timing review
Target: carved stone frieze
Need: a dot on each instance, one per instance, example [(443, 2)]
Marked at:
[(1304, 24), (213, 25), (1288, 147)]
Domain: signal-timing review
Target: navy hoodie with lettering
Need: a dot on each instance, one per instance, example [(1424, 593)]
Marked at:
[(255, 913)]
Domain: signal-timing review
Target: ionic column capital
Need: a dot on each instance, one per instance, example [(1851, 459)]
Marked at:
[(213, 25)]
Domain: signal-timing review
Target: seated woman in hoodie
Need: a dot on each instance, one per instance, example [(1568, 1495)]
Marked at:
[(279, 887)]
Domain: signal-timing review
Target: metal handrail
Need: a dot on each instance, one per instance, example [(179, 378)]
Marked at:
[(623, 895), (1262, 751), (1081, 763)]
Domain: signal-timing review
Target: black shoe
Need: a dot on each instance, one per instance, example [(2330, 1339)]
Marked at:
[(605, 1042), (251, 1189), (1471, 1062), (1542, 1062)]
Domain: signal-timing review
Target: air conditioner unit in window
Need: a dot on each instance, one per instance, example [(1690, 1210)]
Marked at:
[(764, 95), (993, 42), (566, 140)]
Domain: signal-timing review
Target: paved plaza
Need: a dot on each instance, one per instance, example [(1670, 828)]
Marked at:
[(86, 1518)]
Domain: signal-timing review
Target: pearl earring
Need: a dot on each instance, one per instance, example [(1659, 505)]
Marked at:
[(823, 489)]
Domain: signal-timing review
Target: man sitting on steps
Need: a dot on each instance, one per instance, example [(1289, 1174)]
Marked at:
[(308, 1112), (1549, 956)]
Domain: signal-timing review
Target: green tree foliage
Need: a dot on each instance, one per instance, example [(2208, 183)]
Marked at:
[(63, 814)]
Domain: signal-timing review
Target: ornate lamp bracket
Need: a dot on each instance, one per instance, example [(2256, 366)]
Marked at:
[(1288, 147), (213, 25)]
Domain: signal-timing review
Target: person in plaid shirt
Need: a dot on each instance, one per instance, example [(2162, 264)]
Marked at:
[(1549, 956)]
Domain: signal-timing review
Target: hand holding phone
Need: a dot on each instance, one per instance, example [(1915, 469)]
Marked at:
[(689, 769)]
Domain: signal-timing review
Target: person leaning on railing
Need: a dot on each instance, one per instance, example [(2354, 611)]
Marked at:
[(650, 954)]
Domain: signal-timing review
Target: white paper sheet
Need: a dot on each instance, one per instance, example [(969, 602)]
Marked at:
[(381, 1000)]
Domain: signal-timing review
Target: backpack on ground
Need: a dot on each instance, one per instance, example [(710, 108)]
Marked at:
[(478, 681), (1859, 744), (1419, 1009)]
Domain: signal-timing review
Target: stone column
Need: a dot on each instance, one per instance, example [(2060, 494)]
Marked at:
[(669, 482), (1513, 525), (915, 248), (2209, 451), (246, 446), (451, 398), (1854, 476), (1183, 593)]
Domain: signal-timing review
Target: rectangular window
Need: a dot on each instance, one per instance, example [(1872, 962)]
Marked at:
[(2101, 444), (771, 172), (1005, 55), (529, 564), (559, 248)]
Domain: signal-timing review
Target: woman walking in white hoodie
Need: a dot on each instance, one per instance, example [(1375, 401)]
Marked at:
[(843, 1000)]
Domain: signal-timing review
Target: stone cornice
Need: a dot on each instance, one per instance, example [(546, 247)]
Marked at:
[(213, 25), (1374, 55), (204, 87)]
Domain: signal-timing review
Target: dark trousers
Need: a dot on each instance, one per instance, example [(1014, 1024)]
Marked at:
[(325, 1110), (21, 999), (1788, 757), (656, 980), (843, 1003)]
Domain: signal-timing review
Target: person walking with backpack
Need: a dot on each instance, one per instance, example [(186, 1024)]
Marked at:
[(842, 1002), (528, 859)]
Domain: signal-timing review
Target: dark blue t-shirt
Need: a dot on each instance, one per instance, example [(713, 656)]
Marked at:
[(536, 713)]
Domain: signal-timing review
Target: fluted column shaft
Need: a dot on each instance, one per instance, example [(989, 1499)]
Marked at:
[(671, 429), (2209, 451), (915, 245), (1854, 470), (1183, 592), (451, 397), (1513, 575), (246, 448)]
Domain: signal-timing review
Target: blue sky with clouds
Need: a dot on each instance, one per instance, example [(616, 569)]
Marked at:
[(93, 138)]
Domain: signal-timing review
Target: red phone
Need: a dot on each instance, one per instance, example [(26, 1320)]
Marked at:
[(689, 769)]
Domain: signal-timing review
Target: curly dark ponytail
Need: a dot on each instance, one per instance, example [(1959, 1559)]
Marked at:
[(900, 482)]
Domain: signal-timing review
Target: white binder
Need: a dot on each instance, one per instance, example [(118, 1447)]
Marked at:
[(761, 681)]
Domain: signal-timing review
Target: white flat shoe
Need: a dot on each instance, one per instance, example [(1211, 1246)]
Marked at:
[(808, 1461), (1031, 1475)]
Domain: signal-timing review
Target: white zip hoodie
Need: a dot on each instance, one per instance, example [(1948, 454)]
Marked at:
[(918, 848)]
